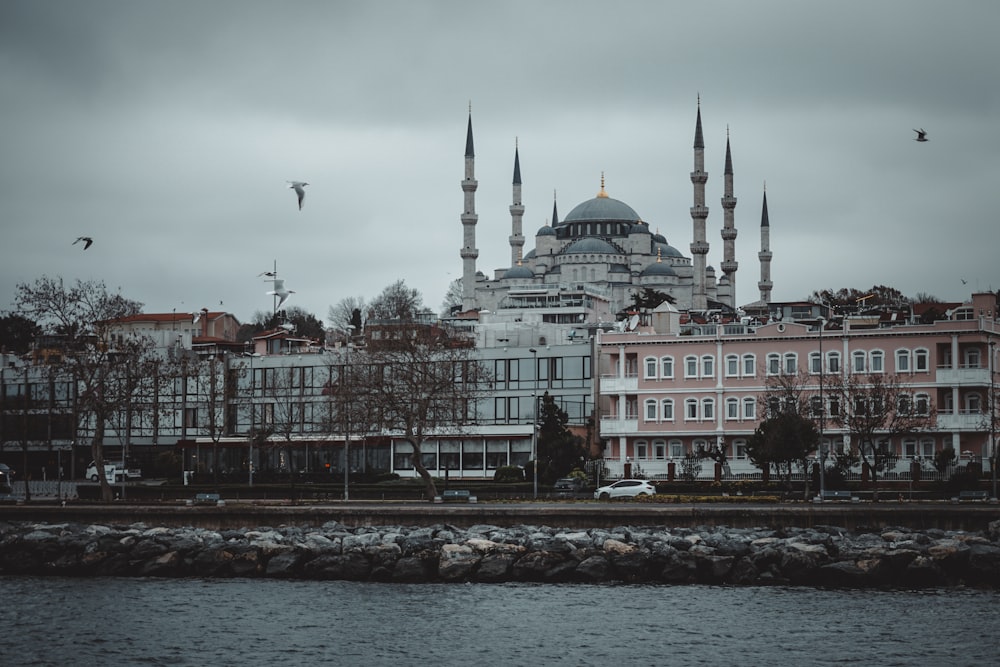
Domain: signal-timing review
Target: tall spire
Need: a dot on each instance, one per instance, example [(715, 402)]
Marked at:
[(699, 212), (764, 255), (516, 212), (555, 213), (729, 263), (469, 251)]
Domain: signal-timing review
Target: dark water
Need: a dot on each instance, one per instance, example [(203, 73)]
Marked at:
[(52, 621)]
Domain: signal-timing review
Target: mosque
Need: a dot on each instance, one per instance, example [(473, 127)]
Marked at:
[(603, 246)]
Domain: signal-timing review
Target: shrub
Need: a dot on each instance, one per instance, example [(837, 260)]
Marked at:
[(508, 474)]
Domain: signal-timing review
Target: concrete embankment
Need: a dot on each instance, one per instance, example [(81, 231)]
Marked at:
[(815, 556)]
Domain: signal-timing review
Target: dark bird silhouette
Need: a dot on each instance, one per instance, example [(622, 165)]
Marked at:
[(921, 135), (298, 186), (86, 241), (269, 274)]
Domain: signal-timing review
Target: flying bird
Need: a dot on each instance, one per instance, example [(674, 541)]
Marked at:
[(921, 135), (86, 241), (299, 188), (280, 292), (269, 274)]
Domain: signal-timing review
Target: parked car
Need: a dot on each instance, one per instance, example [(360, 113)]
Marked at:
[(625, 488), (568, 487), (6, 478)]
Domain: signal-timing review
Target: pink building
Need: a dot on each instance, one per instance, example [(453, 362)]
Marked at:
[(665, 389)]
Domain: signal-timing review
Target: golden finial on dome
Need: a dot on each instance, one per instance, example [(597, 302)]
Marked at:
[(659, 257), (602, 193)]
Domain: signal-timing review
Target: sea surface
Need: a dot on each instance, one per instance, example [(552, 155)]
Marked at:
[(55, 621)]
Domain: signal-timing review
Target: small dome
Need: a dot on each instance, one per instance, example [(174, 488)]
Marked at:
[(546, 231), (658, 269), (530, 255), (590, 244), (519, 272), (639, 228), (659, 238), (666, 250)]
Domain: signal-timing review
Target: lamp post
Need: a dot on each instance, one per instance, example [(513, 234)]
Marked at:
[(345, 387), (822, 413), (993, 416), (534, 424), (253, 415)]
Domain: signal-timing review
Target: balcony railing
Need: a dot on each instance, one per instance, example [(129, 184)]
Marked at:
[(961, 420), (972, 375), (613, 384), (616, 426)]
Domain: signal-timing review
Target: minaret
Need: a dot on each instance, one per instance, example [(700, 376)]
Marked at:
[(469, 219), (516, 213), (729, 263), (699, 212), (555, 212), (764, 255)]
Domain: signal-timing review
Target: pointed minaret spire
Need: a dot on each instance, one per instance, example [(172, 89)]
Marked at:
[(469, 251), (516, 211), (729, 263), (764, 255), (699, 213), (555, 213)]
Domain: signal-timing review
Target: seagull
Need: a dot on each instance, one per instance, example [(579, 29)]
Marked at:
[(86, 241), (269, 274), (298, 187), (280, 292), (921, 135)]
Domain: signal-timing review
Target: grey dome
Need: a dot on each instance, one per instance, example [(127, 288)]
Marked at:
[(667, 250), (546, 231), (639, 228), (602, 208), (658, 269), (590, 244), (519, 272)]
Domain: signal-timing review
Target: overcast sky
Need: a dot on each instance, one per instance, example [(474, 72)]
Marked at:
[(167, 131)]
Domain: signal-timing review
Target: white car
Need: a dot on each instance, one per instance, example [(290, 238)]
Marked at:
[(113, 472), (625, 488)]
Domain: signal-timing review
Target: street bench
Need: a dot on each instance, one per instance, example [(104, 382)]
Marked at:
[(836, 495), (969, 496), (457, 495), (206, 499)]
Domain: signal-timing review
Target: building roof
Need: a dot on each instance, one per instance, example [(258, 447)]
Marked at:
[(602, 209)]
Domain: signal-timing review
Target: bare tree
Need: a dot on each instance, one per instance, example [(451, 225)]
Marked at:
[(213, 393), (452, 298), (81, 318), (787, 434), (396, 302), (347, 312), (875, 409), (422, 383)]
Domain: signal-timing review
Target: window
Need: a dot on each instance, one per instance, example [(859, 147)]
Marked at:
[(650, 409), (858, 359), (904, 404), (641, 450), (815, 363), (667, 407), (833, 362), (920, 361), (749, 408), (973, 403), (676, 449), (972, 358), (833, 406), (773, 363), (708, 409), (749, 365), (732, 365), (650, 364), (659, 450), (791, 363), (927, 448), (816, 405), (740, 449), (732, 408), (691, 409), (902, 361), (910, 448), (877, 361), (690, 367), (708, 366), (666, 367), (921, 404)]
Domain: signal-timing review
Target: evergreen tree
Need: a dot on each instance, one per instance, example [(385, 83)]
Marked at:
[(559, 451)]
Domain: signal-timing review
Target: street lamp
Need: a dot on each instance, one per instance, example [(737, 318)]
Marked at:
[(534, 424), (993, 416), (822, 413), (253, 411), (347, 412)]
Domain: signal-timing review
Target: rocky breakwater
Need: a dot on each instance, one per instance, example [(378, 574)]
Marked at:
[(819, 556)]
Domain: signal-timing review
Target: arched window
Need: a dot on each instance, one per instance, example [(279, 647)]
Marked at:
[(749, 408), (749, 365), (707, 409), (708, 366), (920, 361), (773, 363), (903, 361), (650, 411), (667, 410), (732, 365), (833, 362), (791, 363), (972, 358), (641, 450), (690, 366), (921, 404), (650, 365), (740, 449), (858, 361), (667, 367), (877, 361), (676, 449), (815, 363), (659, 449), (732, 408), (691, 409), (973, 403)]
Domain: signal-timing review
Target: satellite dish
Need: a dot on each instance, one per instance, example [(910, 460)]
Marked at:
[(632, 322)]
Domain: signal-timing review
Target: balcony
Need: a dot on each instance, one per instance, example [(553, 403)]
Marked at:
[(970, 376), (613, 384), (949, 420), (616, 426)]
